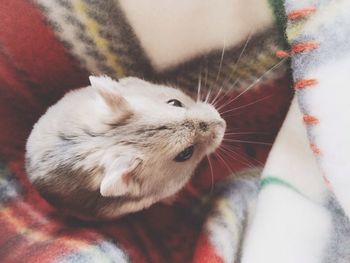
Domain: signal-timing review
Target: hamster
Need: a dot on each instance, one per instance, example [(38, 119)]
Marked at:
[(117, 147)]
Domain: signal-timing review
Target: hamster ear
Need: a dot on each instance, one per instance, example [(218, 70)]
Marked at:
[(107, 88), (116, 179)]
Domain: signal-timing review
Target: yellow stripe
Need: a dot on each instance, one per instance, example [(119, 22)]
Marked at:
[(260, 64), (101, 43), (267, 61), (263, 63), (20, 226), (228, 214), (293, 31), (329, 11), (257, 64)]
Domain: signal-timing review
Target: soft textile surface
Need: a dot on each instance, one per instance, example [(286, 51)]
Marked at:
[(48, 47), (303, 207)]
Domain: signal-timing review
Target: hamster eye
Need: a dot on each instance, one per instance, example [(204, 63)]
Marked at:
[(174, 102), (185, 154)]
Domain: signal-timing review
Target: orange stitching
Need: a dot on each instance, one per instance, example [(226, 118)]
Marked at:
[(298, 48), (308, 119), (327, 182), (301, 13), (282, 54), (304, 47), (304, 83), (315, 149)]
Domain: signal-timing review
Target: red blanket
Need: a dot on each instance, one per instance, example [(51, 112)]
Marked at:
[(36, 69)]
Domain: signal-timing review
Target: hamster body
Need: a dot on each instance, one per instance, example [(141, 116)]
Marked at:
[(114, 148)]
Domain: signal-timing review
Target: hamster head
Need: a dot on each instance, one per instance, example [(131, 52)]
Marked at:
[(130, 138)]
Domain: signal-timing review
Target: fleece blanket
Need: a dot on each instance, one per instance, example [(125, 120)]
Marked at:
[(302, 213), (228, 48)]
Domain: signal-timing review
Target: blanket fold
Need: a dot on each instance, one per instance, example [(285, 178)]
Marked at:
[(299, 210)]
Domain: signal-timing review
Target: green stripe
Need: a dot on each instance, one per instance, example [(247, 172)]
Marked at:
[(271, 180), (280, 19)]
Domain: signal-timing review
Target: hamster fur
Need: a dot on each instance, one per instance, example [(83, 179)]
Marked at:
[(114, 148)]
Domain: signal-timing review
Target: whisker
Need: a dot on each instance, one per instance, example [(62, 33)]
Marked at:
[(206, 77), (225, 94), (251, 142), (256, 160), (199, 85), (243, 133), (221, 60), (213, 102), (247, 105), (242, 52), (232, 158), (206, 72), (236, 65), (239, 130), (226, 147), (256, 81), (229, 153), (219, 71), (247, 159), (208, 94), (218, 98), (212, 175), (224, 162), (231, 129)]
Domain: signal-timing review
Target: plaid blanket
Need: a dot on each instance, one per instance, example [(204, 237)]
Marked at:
[(302, 214), (48, 47)]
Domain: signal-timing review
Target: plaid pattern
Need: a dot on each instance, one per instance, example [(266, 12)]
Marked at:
[(330, 55), (303, 213), (59, 45)]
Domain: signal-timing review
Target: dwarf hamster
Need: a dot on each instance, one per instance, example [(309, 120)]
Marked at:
[(116, 147)]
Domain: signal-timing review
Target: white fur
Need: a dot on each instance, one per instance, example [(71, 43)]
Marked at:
[(172, 32), (81, 107), (112, 184), (103, 83), (105, 148)]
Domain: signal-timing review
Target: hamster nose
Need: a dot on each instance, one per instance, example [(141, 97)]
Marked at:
[(203, 126)]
